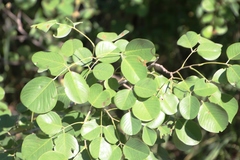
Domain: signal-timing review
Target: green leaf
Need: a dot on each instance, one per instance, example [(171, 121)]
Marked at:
[(99, 98), (207, 31), (179, 144), (39, 95), (169, 103), (90, 130), (82, 56), (111, 36), (202, 88), (70, 46), (133, 69), (45, 26), (109, 134), (124, 99), (233, 75), (208, 5), (121, 44), (99, 148), (227, 102), (146, 110), (62, 31), (142, 48), (209, 51), (33, 146), (111, 83), (50, 123), (220, 76), (129, 124), (2, 93), (50, 60), (189, 107), (149, 136), (107, 52), (135, 149), (76, 87), (145, 87), (212, 117), (63, 100), (188, 132), (53, 155), (156, 122), (66, 144), (164, 131), (188, 40), (103, 71), (116, 153)]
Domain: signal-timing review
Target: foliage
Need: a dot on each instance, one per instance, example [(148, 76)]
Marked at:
[(76, 111)]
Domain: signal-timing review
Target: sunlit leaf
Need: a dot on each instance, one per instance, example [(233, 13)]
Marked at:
[(111, 36), (33, 146), (179, 144), (129, 124), (50, 60), (116, 153), (66, 144), (50, 123), (70, 46), (121, 44), (233, 75), (109, 134), (202, 88), (45, 26), (135, 149), (145, 87), (189, 107), (76, 87), (212, 117), (142, 48), (39, 95), (208, 5), (146, 110), (209, 51), (188, 40), (220, 76), (53, 155), (103, 71), (62, 31), (134, 69), (99, 148), (90, 130), (188, 132), (124, 99), (233, 52), (156, 122), (82, 56), (111, 83), (149, 136), (169, 103), (2, 93)]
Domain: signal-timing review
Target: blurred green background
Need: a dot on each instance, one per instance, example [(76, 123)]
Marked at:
[(161, 21)]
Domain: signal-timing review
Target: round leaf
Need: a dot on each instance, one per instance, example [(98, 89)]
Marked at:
[(208, 5), (142, 48), (188, 132), (233, 52), (145, 87), (39, 95), (107, 52), (134, 69), (129, 124), (50, 123), (146, 110), (2, 93), (82, 56), (233, 75), (109, 134), (90, 130), (212, 118), (149, 136), (135, 149), (62, 31), (66, 144), (179, 144), (169, 103), (103, 71), (111, 83), (156, 122), (99, 98), (121, 44), (70, 46), (188, 40), (33, 146), (76, 87), (99, 148), (204, 89), (116, 153), (124, 99), (220, 76), (189, 107), (53, 155), (209, 51)]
